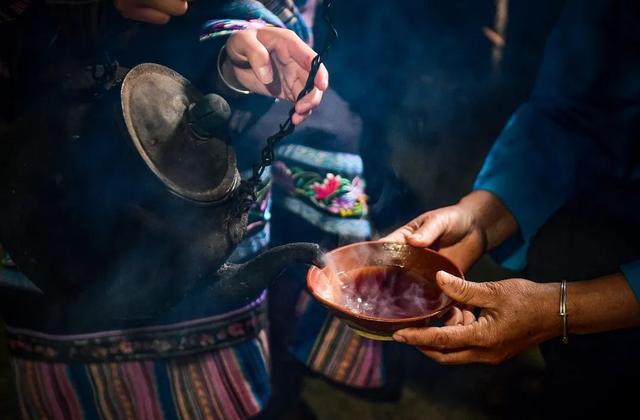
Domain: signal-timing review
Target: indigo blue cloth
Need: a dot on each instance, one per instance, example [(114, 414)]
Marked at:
[(580, 128)]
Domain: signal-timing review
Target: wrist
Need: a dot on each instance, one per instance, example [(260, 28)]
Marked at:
[(490, 216), (602, 304), (470, 248), (226, 74), (548, 299)]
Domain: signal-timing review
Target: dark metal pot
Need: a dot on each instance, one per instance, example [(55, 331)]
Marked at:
[(128, 224)]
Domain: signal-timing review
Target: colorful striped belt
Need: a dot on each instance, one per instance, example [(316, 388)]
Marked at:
[(177, 339)]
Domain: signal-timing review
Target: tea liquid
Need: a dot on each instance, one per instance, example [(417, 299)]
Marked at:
[(388, 292)]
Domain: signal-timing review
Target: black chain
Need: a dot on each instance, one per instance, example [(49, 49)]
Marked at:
[(247, 190)]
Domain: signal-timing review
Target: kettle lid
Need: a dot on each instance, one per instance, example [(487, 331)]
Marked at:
[(180, 133)]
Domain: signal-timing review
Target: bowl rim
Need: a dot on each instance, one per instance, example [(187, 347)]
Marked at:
[(342, 310)]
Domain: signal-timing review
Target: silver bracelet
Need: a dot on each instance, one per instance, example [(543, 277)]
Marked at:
[(227, 84), (563, 312)]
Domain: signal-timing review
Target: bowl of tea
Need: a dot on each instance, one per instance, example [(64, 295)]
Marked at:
[(378, 288)]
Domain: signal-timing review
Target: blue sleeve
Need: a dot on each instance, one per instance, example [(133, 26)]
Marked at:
[(247, 9), (532, 178), (631, 272), (577, 125)]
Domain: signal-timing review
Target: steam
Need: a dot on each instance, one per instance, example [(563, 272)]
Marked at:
[(377, 290), (330, 284), (388, 297)]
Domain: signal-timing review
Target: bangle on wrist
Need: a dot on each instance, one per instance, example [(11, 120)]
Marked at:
[(221, 55), (563, 312)]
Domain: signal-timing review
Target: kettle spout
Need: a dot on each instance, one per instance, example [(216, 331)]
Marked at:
[(243, 282)]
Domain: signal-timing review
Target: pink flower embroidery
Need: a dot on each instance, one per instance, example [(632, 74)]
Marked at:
[(328, 186), (346, 203)]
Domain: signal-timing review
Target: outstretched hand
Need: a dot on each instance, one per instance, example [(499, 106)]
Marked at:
[(463, 232), (515, 314), (452, 230), (274, 62)]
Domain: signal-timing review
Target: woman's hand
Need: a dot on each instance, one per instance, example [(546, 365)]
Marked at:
[(450, 230), (455, 232), (158, 12), (463, 232), (515, 314), (274, 62)]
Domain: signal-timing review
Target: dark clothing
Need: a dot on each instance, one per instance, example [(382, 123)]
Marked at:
[(567, 167), (590, 236)]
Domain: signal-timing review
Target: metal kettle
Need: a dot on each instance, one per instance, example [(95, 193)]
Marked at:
[(130, 223)]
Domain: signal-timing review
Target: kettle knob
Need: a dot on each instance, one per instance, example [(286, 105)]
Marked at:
[(181, 134), (208, 116)]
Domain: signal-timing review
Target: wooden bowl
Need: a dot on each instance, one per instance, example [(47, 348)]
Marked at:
[(327, 284)]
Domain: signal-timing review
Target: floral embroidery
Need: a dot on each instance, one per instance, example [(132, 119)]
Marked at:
[(329, 186), (333, 193)]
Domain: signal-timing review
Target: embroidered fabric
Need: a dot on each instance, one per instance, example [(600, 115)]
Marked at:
[(178, 339)]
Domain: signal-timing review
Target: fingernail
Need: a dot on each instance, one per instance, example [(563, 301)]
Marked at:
[(399, 338), (265, 74), (443, 276), (416, 237)]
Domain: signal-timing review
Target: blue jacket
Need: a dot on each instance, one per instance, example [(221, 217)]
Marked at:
[(581, 123)]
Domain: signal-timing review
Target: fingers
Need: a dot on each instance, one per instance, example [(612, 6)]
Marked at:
[(299, 118), (399, 235), (463, 291), (322, 78), (468, 317), (170, 7), (451, 345), (460, 316), (432, 227), (279, 64), (309, 102), (402, 234), (294, 78), (290, 49), (244, 46), (455, 357), (465, 355), (306, 105), (421, 232), (288, 46), (443, 338), (455, 317), (151, 11)]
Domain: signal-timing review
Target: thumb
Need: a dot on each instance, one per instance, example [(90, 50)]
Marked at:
[(399, 235), (430, 228), (463, 291)]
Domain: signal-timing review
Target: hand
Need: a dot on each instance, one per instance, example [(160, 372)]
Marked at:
[(462, 232), (515, 315), (455, 233), (274, 62), (151, 11), (452, 230)]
